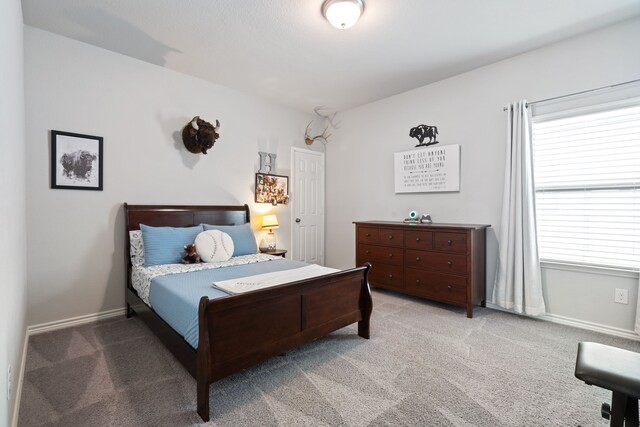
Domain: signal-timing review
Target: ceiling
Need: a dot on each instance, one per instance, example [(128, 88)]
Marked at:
[(286, 51)]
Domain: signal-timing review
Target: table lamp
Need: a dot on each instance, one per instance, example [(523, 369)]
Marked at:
[(269, 222)]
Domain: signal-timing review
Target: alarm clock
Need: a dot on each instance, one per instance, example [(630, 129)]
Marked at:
[(413, 215)]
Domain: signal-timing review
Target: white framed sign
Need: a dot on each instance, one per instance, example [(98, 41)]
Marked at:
[(427, 170)]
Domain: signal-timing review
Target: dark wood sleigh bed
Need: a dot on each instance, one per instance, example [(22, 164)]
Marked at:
[(239, 331)]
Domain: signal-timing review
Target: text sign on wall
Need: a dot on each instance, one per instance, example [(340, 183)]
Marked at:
[(428, 169)]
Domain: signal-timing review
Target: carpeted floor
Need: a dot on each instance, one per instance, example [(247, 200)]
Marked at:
[(426, 365)]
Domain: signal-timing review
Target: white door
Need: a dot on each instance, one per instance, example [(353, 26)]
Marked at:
[(307, 199)]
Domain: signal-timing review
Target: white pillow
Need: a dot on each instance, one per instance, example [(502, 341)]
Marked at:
[(214, 246)]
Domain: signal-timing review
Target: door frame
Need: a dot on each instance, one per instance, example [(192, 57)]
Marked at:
[(294, 152)]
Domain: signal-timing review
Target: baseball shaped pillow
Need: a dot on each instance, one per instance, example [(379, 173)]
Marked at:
[(214, 246)]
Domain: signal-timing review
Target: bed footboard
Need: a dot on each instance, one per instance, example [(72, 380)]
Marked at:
[(239, 331)]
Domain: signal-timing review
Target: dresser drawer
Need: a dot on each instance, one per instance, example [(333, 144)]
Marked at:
[(368, 235), (441, 287), (384, 254), (450, 242), (386, 276), (422, 240), (391, 237), (437, 261)]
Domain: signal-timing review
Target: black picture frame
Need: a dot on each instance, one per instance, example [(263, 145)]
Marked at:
[(76, 161), (271, 187)]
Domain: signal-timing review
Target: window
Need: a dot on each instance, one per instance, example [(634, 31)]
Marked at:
[(587, 177)]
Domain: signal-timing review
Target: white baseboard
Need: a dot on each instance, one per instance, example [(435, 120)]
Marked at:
[(52, 326), (582, 324), (74, 321)]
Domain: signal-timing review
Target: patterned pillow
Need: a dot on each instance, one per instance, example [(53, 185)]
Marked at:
[(136, 248)]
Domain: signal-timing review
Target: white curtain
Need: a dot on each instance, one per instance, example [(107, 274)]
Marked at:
[(518, 283)]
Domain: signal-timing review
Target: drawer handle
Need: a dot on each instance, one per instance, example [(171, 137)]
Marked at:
[(449, 263), (391, 276), (417, 239), (449, 287), (390, 236), (390, 255), (449, 242), (417, 258), (417, 281), (366, 252), (367, 235)]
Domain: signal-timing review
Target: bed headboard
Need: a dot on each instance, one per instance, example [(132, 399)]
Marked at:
[(184, 216), (179, 216)]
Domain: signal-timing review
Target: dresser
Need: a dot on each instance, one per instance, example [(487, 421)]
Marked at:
[(440, 262)]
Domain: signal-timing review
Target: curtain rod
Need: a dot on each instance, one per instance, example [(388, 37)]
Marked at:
[(579, 93)]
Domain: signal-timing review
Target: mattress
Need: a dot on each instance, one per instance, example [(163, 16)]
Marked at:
[(175, 296)]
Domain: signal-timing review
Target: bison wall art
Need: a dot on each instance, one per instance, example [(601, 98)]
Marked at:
[(78, 165), (76, 161), (422, 132)]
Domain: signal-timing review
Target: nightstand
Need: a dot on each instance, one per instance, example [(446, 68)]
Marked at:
[(276, 252)]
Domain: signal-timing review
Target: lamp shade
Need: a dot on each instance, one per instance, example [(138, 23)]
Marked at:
[(269, 221), (342, 14)]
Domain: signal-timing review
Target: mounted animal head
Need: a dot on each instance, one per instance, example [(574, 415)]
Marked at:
[(324, 136), (199, 136)]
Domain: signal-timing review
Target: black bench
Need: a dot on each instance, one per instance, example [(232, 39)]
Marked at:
[(613, 369)]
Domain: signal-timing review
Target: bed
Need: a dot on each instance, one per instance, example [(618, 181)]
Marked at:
[(235, 332)]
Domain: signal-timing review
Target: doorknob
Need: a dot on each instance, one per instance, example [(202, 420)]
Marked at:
[(297, 219)]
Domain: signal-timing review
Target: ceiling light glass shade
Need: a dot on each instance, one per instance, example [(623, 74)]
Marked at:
[(342, 14)]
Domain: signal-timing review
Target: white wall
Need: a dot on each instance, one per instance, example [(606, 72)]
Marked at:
[(13, 252), (468, 110), (76, 238)]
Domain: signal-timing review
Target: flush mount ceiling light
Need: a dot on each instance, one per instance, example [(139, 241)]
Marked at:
[(342, 14)]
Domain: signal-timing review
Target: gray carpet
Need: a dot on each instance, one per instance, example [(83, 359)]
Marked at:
[(426, 365)]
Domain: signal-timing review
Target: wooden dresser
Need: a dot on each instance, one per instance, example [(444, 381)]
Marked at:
[(441, 262)]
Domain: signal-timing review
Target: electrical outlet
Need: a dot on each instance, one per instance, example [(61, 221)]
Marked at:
[(621, 296), (9, 382)]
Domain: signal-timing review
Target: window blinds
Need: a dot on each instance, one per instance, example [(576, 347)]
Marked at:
[(587, 177)]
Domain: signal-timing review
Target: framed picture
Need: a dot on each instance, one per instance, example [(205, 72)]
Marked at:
[(428, 170), (272, 189), (76, 161)]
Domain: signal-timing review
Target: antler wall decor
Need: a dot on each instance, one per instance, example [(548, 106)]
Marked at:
[(329, 119), (324, 136)]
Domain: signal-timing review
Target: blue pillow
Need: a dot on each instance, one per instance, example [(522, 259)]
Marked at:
[(165, 245), (244, 242)]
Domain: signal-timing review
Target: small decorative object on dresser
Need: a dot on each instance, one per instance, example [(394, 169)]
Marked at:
[(441, 262)]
